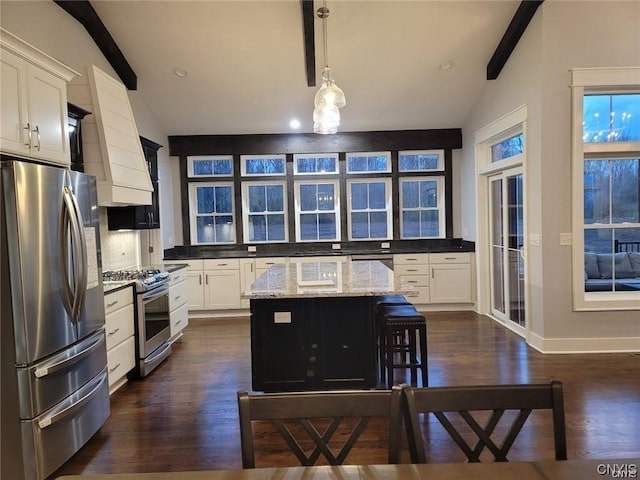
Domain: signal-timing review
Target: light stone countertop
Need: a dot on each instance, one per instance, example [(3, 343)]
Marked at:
[(328, 279)]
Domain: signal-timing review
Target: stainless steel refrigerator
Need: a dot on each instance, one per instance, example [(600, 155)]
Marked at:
[(54, 384)]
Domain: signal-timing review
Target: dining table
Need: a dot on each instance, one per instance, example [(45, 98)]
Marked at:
[(579, 469), (313, 324)]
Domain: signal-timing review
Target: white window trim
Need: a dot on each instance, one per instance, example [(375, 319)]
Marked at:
[(243, 165), (298, 156), (368, 154), (439, 168), (440, 208), (336, 210), (388, 207), (246, 212), (596, 80), (192, 158), (193, 212)]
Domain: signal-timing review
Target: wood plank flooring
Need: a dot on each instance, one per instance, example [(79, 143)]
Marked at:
[(184, 415)]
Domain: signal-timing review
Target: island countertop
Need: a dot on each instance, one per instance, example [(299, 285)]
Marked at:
[(328, 279)]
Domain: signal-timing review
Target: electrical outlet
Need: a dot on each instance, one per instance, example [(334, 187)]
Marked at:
[(251, 248), (385, 245), (281, 317), (336, 246)]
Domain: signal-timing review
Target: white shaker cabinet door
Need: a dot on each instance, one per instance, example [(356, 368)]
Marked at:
[(222, 289)]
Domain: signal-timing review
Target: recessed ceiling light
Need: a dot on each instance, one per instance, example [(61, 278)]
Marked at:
[(179, 72), (294, 123), (448, 65)]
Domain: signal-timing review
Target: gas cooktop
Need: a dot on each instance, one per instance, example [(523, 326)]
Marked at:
[(144, 279)]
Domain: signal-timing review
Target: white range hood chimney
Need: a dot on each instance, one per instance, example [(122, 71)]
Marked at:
[(110, 141)]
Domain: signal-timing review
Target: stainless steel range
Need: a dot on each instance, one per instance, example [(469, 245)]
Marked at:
[(152, 314)]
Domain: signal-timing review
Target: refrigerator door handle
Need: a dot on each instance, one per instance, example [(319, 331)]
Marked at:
[(79, 255), (63, 229), (68, 362), (71, 409)]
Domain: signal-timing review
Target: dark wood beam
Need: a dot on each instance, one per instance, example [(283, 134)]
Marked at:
[(512, 35), (84, 13), (308, 25)]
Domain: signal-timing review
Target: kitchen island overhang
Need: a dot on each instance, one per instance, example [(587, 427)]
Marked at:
[(313, 325)]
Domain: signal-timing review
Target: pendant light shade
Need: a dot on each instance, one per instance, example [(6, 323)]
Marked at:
[(329, 98)]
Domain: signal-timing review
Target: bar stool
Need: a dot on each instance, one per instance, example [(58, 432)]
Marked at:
[(402, 331), (383, 301)]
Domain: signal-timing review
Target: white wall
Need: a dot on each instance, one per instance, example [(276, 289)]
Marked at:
[(48, 27), (562, 35)]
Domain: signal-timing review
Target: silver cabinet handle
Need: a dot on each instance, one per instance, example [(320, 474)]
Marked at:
[(28, 129), (37, 132), (206, 279), (200, 279), (449, 258), (109, 305), (221, 264), (113, 332), (412, 270), (177, 297), (433, 273), (111, 370)]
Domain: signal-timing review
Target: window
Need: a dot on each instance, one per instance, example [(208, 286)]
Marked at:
[(212, 219), (317, 211), (368, 162), (508, 148), (370, 209), (421, 161), (318, 164), (210, 166), (263, 164), (264, 212), (607, 188), (421, 207)]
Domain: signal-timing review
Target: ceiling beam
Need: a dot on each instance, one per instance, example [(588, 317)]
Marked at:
[(308, 25), (84, 13), (511, 36)]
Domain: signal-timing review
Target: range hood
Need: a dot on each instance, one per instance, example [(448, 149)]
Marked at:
[(110, 142)]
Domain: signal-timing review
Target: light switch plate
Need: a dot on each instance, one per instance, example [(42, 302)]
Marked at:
[(566, 239), (534, 239)]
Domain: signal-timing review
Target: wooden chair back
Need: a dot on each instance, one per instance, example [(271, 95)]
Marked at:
[(446, 403), (302, 408)]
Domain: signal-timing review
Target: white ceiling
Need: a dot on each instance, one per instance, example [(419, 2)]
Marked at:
[(246, 65)]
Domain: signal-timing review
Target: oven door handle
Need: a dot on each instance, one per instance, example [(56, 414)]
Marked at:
[(155, 293)]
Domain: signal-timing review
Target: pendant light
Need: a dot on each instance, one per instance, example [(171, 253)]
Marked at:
[(329, 98)]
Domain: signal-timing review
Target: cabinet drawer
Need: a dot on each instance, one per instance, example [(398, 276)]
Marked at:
[(118, 299), (120, 360), (410, 259), (179, 319), (412, 269), (222, 264), (422, 297), (417, 280), (195, 264), (178, 276), (454, 257), (178, 295), (265, 263), (119, 325)]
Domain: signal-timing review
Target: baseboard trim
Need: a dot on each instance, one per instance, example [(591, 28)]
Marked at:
[(584, 345)]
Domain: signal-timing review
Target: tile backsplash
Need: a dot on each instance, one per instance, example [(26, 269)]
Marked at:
[(120, 249)]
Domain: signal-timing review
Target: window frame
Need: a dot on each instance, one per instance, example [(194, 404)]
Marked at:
[(440, 183), (585, 81), (388, 206), (299, 156), (246, 211), (278, 156), (439, 168), (386, 154), (298, 211), (192, 158), (193, 216)]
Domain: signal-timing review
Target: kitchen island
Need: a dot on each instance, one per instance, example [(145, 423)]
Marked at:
[(313, 324)]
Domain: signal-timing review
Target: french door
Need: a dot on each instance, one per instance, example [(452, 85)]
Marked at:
[(507, 254)]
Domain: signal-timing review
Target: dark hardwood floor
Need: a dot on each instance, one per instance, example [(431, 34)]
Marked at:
[(184, 416)]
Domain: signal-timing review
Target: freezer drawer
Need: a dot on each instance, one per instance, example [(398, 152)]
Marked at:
[(46, 383), (52, 438)]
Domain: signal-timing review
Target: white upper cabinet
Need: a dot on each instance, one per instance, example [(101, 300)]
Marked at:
[(111, 144), (33, 100)]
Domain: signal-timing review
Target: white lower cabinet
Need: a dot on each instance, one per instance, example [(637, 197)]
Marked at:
[(119, 331), (414, 268), (451, 279), (247, 277), (178, 307), (222, 284)]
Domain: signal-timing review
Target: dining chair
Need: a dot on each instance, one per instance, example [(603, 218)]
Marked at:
[(298, 415), (458, 409)]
